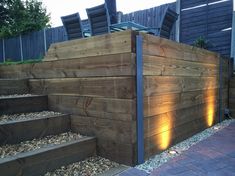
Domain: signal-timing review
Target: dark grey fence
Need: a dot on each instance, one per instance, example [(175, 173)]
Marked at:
[(151, 17), (211, 19), (30, 46), (35, 44)]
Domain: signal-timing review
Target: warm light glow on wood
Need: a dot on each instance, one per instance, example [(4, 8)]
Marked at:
[(210, 117), (165, 137), (165, 123), (211, 105)]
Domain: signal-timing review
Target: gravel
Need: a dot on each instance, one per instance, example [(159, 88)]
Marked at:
[(25, 146), (15, 95), (89, 167), (158, 160), (27, 116)]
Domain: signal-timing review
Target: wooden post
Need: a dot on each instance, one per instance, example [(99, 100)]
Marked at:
[(177, 24), (111, 5)]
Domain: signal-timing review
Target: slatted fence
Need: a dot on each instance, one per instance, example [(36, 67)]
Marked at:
[(30, 46), (150, 17), (211, 19)]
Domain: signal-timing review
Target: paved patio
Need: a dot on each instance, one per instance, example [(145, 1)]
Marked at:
[(214, 156)]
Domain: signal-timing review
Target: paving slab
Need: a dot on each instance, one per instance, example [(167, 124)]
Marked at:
[(214, 156)]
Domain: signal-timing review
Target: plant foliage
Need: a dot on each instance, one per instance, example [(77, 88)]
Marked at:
[(20, 17), (201, 42)]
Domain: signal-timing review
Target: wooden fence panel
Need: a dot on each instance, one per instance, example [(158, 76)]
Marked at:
[(12, 49), (210, 19), (54, 35), (33, 45), (150, 17), (1, 50), (188, 3)]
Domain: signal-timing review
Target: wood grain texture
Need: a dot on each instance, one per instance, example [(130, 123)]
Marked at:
[(232, 96), (164, 103), (23, 104), (163, 66), (94, 79), (156, 46), (153, 144), (119, 42), (49, 158), (181, 91), (154, 125), (119, 109), (109, 87), (18, 131), (13, 86), (122, 64), (113, 130), (155, 85)]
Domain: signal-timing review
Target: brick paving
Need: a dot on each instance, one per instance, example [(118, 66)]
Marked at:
[(214, 156)]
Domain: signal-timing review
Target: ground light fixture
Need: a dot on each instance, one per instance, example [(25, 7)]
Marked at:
[(172, 152), (216, 128)]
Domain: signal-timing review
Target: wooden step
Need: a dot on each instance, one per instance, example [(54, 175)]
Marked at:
[(13, 86), (91, 106), (16, 131), (23, 104), (46, 159), (109, 87)]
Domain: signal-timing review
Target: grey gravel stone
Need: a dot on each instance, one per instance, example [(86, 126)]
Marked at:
[(25, 146), (158, 160), (27, 116), (88, 167)]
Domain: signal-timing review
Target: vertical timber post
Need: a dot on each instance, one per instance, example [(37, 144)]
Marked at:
[(21, 49), (177, 24), (139, 99), (3, 50)]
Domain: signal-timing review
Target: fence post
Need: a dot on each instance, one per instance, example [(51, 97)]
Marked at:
[(45, 40), (3, 50), (177, 24), (21, 49)]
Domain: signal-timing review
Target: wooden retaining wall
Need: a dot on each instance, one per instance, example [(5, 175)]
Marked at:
[(181, 91), (94, 79), (232, 96)]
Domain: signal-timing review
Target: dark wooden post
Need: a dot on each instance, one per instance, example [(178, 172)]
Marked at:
[(111, 5)]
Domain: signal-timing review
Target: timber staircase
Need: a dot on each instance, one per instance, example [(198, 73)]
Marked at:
[(49, 157)]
